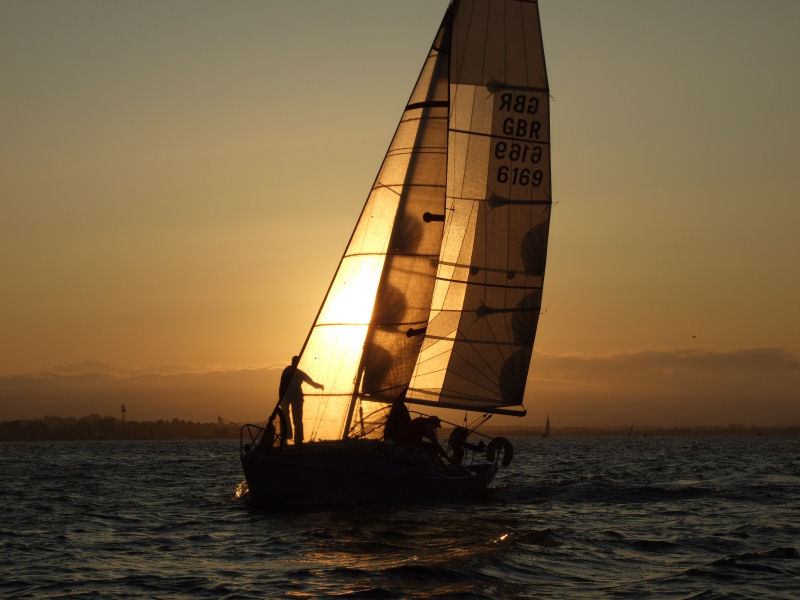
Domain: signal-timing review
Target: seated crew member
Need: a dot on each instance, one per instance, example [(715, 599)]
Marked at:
[(422, 432)]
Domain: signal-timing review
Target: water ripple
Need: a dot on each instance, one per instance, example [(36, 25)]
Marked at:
[(700, 518)]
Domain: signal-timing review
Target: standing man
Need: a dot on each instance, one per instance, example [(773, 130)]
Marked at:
[(291, 395)]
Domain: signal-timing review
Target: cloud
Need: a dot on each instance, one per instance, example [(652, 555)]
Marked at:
[(160, 393), (750, 360), (759, 386), (684, 387)]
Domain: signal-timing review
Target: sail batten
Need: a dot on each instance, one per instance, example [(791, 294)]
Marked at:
[(497, 285), (428, 104), (466, 340)]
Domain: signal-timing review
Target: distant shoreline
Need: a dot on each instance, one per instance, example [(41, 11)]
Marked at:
[(96, 427), (647, 431)]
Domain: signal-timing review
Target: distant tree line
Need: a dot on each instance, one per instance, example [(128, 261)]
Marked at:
[(96, 427)]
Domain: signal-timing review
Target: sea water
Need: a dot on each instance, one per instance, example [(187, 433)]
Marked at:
[(572, 517)]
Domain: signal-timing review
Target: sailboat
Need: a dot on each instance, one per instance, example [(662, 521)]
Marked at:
[(436, 300), (546, 432)]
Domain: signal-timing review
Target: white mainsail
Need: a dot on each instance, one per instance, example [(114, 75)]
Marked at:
[(439, 289)]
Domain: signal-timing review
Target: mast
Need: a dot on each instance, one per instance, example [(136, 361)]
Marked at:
[(358, 344), (402, 302)]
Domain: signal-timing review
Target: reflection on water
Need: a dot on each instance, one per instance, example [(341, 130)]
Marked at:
[(571, 517), (241, 490)]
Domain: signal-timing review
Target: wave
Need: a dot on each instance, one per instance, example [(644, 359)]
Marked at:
[(600, 490), (377, 593), (437, 573), (749, 564)]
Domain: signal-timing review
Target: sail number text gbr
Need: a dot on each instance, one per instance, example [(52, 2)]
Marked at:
[(517, 122)]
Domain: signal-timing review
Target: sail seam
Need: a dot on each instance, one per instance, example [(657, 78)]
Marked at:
[(462, 339), (409, 149), (402, 185), (483, 380), (498, 201), (486, 311), (487, 269), (497, 285), (499, 137), (481, 356), (496, 85), (341, 324), (357, 254), (423, 117), (393, 324)]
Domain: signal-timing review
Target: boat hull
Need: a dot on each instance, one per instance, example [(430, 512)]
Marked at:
[(359, 471)]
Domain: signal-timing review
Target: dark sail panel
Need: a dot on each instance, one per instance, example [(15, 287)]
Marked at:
[(403, 301)]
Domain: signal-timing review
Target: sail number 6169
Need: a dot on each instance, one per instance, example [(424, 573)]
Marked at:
[(519, 176), (517, 152)]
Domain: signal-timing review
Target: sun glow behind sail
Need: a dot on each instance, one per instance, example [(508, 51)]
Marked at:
[(359, 348), (333, 352)]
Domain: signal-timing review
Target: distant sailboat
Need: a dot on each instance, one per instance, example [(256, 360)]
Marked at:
[(547, 427), (437, 297)]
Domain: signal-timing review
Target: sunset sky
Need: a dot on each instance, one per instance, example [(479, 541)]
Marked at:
[(178, 181)]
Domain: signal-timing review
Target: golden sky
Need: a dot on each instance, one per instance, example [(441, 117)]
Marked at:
[(178, 180)]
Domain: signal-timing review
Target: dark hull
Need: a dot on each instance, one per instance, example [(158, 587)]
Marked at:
[(359, 471)]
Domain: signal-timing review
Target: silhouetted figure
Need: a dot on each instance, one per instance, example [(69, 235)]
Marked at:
[(291, 395), (458, 441), (398, 420), (422, 432)]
